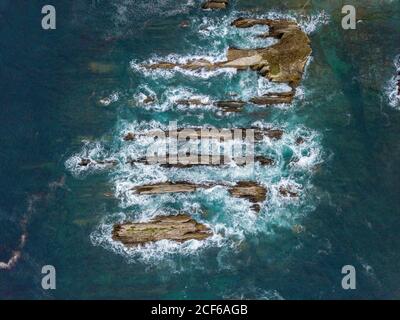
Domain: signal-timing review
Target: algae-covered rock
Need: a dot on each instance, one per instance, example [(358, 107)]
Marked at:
[(178, 228)]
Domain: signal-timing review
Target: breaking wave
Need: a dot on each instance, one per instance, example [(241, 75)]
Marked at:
[(393, 86)]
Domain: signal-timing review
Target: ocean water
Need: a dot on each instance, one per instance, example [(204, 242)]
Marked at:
[(75, 91)]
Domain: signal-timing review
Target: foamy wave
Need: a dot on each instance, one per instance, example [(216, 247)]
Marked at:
[(93, 151), (392, 88), (254, 293), (179, 59)]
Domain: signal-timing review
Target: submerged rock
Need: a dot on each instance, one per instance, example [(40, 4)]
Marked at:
[(215, 4), (178, 228), (190, 102), (184, 24)]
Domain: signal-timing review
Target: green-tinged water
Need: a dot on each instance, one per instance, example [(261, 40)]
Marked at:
[(346, 171)]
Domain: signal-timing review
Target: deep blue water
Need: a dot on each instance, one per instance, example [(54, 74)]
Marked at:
[(348, 174)]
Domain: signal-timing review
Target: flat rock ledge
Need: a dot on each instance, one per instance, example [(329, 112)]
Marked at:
[(172, 161), (248, 190), (283, 62), (215, 4), (178, 228), (210, 133), (225, 106)]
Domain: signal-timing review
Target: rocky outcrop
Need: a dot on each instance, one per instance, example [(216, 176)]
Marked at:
[(231, 105), (208, 133), (178, 228), (283, 62), (226, 106), (167, 187), (288, 192), (85, 162), (274, 98), (191, 102), (248, 190), (197, 160), (215, 4)]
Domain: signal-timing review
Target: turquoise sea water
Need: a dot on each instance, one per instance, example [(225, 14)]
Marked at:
[(346, 172)]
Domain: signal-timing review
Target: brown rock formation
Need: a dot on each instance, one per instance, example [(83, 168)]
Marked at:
[(283, 62), (209, 133), (230, 106), (215, 4), (178, 228), (251, 191), (274, 98), (197, 160)]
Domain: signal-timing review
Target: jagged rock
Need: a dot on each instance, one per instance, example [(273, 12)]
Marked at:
[(299, 141), (149, 99), (275, 134), (196, 133), (264, 161), (249, 190), (274, 98), (244, 189), (84, 162), (87, 162), (231, 105), (226, 106), (287, 192), (283, 62), (178, 228), (129, 136), (215, 4), (166, 187), (197, 160)]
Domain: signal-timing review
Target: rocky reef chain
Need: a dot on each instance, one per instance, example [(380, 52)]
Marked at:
[(270, 67), (283, 62)]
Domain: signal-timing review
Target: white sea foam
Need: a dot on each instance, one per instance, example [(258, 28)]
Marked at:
[(94, 151), (181, 60), (392, 86)]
